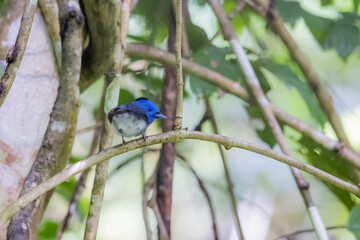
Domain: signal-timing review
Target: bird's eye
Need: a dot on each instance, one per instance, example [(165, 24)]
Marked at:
[(149, 110)]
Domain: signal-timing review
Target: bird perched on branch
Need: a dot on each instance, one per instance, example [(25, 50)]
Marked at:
[(132, 119)]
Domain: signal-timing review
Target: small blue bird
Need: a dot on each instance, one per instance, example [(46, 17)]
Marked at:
[(132, 119)]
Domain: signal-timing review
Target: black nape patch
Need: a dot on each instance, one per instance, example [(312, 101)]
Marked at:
[(141, 98)]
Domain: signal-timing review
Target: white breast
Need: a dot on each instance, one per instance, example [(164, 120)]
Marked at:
[(129, 125)]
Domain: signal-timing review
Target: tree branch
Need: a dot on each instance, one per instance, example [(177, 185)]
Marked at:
[(303, 186), (226, 169), (57, 143), (16, 52), (179, 73), (49, 12), (229, 86), (80, 185), (101, 170), (172, 136), (162, 199), (323, 97), (104, 50), (206, 195)]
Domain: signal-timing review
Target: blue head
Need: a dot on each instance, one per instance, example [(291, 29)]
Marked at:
[(150, 109)]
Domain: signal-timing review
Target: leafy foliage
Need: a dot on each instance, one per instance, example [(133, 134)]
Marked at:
[(214, 58), (331, 163), (343, 37), (340, 34), (291, 80)]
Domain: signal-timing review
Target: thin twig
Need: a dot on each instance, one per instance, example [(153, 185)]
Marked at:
[(59, 136), (80, 185), (49, 12), (101, 171), (179, 72), (323, 97), (16, 52), (96, 126), (303, 186), (226, 169), (206, 195), (176, 137), (293, 235), (232, 87)]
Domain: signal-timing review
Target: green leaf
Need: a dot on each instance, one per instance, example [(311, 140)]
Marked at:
[(75, 159), (112, 94), (331, 163), (196, 35), (216, 59), (344, 37), (354, 221), (319, 26), (66, 188), (47, 230), (125, 96), (291, 80), (264, 130), (290, 11)]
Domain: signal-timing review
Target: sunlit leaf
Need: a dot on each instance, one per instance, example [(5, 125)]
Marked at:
[(354, 221), (47, 230)]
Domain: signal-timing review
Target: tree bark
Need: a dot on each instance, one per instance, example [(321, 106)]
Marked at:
[(168, 151)]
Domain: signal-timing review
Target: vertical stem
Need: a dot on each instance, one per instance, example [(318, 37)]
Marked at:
[(101, 172), (227, 172), (165, 169), (179, 73)]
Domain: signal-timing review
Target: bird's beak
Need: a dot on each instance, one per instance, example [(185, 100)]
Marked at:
[(159, 115)]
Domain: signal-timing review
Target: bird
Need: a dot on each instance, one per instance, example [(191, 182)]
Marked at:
[(132, 119)]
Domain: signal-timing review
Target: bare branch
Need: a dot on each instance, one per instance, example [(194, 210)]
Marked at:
[(232, 87), (16, 52), (206, 195), (101, 171), (49, 11), (291, 236), (80, 185), (227, 172), (165, 169), (303, 186), (172, 136), (179, 73), (57, 143)]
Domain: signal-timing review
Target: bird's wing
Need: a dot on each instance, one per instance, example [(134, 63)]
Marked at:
[(129, 108)]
